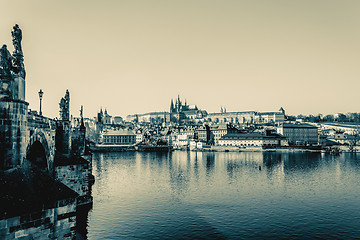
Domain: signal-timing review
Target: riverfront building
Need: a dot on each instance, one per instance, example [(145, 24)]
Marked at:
[(254, 139), (120, 137), (299, 133), (217, 131)]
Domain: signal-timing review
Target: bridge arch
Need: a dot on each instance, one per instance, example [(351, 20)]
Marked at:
[(38, 151)]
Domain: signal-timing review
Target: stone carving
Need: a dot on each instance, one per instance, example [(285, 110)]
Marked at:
[(65, 107), (12, 68), (16, 38), (5, 63), (18, 60)]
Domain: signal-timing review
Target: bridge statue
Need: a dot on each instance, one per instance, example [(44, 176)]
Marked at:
[(65, 107), (17, 37), (18, 59), (5, 63)]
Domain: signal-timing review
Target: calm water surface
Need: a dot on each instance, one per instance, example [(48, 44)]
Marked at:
[(253, 195)]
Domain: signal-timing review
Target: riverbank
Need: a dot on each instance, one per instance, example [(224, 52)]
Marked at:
[(275, 149), (112, 148), (255, 149), (123, 148)]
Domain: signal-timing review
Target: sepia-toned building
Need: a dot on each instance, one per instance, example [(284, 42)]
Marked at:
[(254, 139), (119, 137), (151, 117), (217, 131), (299, 133), (248, 117)]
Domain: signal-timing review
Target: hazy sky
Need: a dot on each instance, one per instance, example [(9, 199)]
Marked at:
[(134, 56)]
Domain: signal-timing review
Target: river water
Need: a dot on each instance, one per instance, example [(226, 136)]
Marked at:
[(225, 195)]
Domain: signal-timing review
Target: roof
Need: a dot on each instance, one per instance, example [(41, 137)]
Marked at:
[(192, 111), (270, 113), (64, 161), (148, 114), (248, 136), (231, 113), (343, 125), (27, 189), (118, 133), (298, 125)]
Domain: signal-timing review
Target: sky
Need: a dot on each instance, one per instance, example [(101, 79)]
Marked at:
[(134, 56)]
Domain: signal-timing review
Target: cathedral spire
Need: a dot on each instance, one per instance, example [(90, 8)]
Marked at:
[(82, 125), (172, 106)]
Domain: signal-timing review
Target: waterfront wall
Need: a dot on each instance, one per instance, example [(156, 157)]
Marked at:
[(76, 177), (53, 223)]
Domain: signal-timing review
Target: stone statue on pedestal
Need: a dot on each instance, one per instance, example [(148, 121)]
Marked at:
[(18, 59), (65, 107), (5, 63), (17, 37), (5, 72)]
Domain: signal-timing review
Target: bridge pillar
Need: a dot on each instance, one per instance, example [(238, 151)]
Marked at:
[(13, 132)]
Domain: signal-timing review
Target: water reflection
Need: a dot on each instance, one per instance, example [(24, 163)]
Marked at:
[(179, 176), (231, 195), (210, 163), (82, 214), (304, 162)]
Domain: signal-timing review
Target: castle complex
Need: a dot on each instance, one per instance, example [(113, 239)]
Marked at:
[(180, 111)]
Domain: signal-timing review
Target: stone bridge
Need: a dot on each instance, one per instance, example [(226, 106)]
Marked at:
[(25, 134), (40, 148), (44, 175)]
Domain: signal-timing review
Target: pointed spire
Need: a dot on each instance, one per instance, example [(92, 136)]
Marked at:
[(82, 117), (179, 101), (172, 106), (178, 104)]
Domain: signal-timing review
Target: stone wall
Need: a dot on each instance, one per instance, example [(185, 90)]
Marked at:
[(78, 141), (63, 138), (53, 223), (13, 132), (76, 177)]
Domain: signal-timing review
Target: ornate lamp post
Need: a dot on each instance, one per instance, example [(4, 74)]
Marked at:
[(41, 93)]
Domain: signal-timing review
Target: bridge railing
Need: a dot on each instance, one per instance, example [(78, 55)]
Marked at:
[(38, 121)]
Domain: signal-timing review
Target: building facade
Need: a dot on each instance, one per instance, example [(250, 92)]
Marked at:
[(217, 131), (299, 133), (252, 140), (120, 137), (151, 117), (249, 117)]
